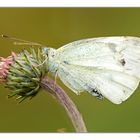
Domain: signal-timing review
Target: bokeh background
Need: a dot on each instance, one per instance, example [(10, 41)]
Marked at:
[(56, 27)]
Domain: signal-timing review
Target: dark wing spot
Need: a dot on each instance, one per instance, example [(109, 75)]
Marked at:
[(65, 62), (122, 61), (97, 94)]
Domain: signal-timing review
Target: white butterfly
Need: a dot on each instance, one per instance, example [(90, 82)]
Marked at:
[(105, 66)]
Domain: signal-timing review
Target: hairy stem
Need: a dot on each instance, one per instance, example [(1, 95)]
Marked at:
[(60, 95)]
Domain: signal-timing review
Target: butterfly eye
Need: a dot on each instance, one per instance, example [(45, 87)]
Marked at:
[(45, 51)]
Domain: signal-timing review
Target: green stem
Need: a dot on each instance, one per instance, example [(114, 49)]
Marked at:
[(59, 94)]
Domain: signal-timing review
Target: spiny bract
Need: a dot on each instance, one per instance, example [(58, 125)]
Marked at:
[(25, 73)]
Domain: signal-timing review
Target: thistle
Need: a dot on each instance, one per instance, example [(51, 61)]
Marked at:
[(22, 73), (25, 73)]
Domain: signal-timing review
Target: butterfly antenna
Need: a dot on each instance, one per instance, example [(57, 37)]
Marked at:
[(21, 41)]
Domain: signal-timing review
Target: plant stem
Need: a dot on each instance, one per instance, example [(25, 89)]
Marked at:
[(59, 94)]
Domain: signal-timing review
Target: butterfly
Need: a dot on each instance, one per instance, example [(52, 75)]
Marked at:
[(104, 67)]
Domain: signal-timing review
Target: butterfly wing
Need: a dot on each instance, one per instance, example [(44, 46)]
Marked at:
[(115, 53), (107, 66), (115, 86)]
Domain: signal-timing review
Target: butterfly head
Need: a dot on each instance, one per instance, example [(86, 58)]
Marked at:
[(45, 51)]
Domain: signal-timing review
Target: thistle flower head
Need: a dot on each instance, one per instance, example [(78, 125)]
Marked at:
[(22, 73)]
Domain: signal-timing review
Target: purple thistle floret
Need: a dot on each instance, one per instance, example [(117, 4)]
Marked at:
[(5, 65)]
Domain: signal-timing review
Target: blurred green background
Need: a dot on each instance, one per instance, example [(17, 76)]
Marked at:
[(56, 27)]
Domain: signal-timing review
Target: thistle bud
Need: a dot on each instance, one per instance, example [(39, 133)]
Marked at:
[(23, 72)]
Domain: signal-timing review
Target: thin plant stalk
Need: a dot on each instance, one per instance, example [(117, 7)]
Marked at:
[(71, 109)]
